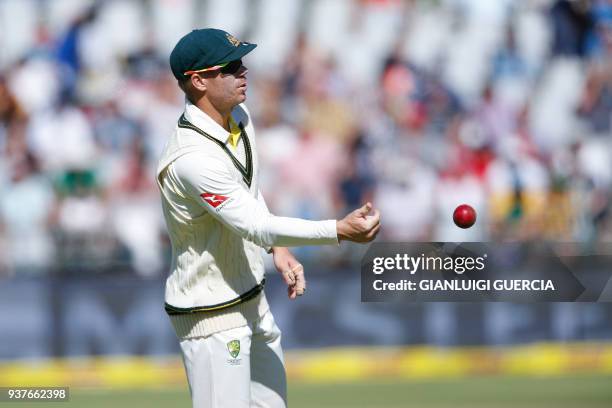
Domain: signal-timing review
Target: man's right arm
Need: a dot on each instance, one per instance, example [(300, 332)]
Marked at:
[(210, 183)]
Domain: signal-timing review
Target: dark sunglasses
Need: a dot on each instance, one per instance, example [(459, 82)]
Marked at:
[(231, 67), (228, 68)]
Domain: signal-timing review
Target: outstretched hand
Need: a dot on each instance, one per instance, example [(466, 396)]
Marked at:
[(359, 225), (291, 271)]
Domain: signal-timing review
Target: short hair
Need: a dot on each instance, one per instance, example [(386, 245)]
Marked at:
[(183, 83)]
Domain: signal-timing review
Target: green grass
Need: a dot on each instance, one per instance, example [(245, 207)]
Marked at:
[(586, 391), (490, 392)]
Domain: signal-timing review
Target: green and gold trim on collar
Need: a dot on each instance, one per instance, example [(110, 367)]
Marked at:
[(247, 172)]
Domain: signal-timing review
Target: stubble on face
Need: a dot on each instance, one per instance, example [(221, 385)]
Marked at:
[(226, 91)]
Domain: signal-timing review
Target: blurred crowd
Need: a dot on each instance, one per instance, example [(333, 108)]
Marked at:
[(416, 105)]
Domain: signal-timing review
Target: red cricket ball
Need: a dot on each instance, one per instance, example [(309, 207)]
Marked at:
[(464, 216)]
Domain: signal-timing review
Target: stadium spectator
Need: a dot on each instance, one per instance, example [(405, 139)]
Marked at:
[(436, 114)]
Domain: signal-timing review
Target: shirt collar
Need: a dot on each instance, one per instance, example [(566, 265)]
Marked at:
[(200, 119)]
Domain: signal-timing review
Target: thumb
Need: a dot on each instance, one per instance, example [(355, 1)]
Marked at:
[(374, 219), (363, 211)]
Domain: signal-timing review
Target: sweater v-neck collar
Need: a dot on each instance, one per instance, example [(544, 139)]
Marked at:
[(215, 133)]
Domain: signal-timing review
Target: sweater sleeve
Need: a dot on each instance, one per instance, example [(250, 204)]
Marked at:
[(208, 181)]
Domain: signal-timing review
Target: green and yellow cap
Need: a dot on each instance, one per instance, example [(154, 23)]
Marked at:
[(204, 49)]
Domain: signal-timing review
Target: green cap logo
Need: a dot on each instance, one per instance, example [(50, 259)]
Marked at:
[(233, 40), (234, 348)]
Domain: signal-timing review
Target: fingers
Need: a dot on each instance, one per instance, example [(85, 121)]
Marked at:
[(288, 276), (300, 282), (295, 281), (365, 210), (372, 227), (373, 220), (376, 216), (372, 234)]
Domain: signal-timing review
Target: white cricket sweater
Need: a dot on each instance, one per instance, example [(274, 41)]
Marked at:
[(217, 221)]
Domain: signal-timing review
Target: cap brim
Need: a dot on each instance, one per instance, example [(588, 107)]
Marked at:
[(242, 50)]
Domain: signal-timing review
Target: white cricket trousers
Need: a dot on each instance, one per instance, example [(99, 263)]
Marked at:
[(237, 368)]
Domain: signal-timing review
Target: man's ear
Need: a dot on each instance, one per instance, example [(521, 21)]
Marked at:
[(198, 82)]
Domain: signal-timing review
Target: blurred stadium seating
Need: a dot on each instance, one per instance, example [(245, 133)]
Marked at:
[(417, 105)]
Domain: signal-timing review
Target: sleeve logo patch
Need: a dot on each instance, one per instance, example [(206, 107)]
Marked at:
[(215, 200)]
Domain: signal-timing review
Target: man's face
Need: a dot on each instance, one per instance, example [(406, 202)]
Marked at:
[(226, 87)]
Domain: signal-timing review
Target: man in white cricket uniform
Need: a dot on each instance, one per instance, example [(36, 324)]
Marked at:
[(218, 222)]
